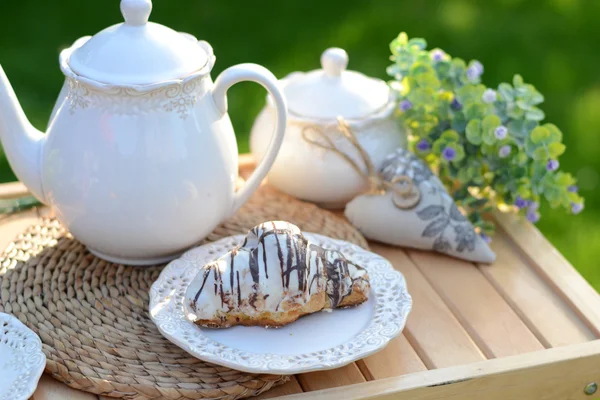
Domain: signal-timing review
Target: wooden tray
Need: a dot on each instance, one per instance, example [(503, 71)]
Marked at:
[(526, 327)]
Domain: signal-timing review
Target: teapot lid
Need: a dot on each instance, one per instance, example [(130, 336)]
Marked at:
[(138, 52), (335, 91)]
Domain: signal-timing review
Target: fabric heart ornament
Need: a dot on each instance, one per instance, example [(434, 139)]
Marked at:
[(416, 211)]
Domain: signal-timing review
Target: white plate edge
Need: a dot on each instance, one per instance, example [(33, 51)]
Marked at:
[(207, 357)]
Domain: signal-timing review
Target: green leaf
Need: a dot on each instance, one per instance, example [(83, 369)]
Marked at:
[(428, 80), (555, 133), (530, 95), (475, 111), (488, 126), (443, 69), (521, 128), (490, 122), (540, 154), (420, 68), (488, 149), (535, 114), (473, 131), (489, 140), (515, 112), (523, 105), (400, 41), (524, 191), (458, 63), (460, 153), (517, 81), (418, 43), (556, 149), (539, 135), (450, 136), (438, 146), (552, 193), (506, 92), (564, 179), (469, 94), (459, 123), (420, 96)]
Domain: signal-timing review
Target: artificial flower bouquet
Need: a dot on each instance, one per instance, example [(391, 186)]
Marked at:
[(490, 147)]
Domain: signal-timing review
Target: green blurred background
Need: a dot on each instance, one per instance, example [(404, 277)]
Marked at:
[(554, 44)]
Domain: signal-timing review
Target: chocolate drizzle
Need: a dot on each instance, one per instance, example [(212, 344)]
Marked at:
[(205, 277), (306, 268), (239, 292)]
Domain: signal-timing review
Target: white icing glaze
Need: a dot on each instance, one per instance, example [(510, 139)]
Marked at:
[(275, 269)]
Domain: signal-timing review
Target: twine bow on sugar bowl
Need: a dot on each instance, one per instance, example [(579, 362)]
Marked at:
[(405, 194)]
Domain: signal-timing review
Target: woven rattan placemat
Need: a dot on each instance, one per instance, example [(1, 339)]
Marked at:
[(93, 318)]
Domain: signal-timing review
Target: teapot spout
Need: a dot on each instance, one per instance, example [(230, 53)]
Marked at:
[(21, 141)]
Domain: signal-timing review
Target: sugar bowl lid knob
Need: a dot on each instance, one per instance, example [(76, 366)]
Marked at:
[(334, 61), (136, 12)]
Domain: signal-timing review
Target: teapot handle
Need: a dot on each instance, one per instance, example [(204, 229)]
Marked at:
[(262, 76)]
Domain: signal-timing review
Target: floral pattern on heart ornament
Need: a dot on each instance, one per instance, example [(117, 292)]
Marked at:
[(434, 223)]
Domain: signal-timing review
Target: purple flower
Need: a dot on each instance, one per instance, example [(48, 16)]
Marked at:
[(449, 153), (533, 205), (576, 208), (521, 202), (474, 71), (489, 96), (533, 216), (552, 165), (501, 132), (486, 238), (455, 105), (477, 66), (437, 55), (405, 105), (504, 151), (423, 145), (573, 188)]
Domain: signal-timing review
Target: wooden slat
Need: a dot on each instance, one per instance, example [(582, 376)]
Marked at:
[(329, 379), (51, 389), (490, 321), (545, 313), (550, 264), (432, 330), (397, 358), (291, 387), (555, 374), (13, 190)]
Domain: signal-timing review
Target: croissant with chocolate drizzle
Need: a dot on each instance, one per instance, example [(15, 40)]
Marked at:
[(273, 278)]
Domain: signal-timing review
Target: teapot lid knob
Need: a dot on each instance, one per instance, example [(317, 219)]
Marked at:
[(136, 12), (334, 61)]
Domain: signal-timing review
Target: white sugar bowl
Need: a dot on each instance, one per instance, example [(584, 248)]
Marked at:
[(315, 100)]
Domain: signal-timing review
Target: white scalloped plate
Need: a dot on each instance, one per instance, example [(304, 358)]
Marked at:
[(315, 342), (22, 361)]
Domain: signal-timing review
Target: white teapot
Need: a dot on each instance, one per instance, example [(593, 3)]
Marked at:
[(315, 101), (140, 158)]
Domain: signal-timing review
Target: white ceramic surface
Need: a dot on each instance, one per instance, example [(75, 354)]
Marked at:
[(22, 361), (333, 90), (138, 51), (316, 99), (138, 172), (315, 342)]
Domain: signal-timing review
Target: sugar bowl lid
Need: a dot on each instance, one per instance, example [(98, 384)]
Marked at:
[(139, 52), (334, 91)]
